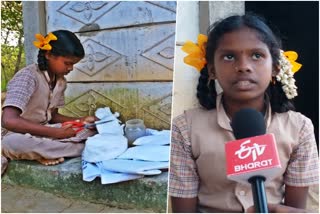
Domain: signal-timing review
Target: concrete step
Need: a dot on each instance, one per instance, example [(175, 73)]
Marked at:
[(17, 199), (148, 194)]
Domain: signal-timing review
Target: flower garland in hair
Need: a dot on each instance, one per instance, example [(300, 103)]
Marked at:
[(43, 42), (287, 68)]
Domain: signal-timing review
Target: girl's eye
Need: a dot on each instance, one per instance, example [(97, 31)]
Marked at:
[(228, 57), (256, 56)]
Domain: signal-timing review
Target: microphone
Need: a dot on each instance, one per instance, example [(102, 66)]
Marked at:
[(253, 157)]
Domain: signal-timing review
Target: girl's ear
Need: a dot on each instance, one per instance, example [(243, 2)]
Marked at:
[(47, 55), (211, 72), (275, 71)]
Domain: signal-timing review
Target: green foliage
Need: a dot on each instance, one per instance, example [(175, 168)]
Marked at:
[(9, 56), (12, 50), (11, 16)]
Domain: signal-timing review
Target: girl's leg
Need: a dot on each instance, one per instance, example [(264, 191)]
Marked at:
[(49, 162), (46, 151)]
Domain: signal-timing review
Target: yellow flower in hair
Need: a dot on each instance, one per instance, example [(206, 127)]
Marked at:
[(196, 52), (292, 57), (43, 42)]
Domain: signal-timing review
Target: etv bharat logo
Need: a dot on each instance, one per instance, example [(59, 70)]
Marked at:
[(245, 151)]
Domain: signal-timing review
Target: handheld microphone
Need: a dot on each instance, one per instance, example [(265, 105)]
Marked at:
[(253, 157)]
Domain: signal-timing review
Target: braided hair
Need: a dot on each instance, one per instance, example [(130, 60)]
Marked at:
[(206, 92), (67, 44)]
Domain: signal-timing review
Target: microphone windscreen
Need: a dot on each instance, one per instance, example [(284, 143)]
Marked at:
[(248, 123)]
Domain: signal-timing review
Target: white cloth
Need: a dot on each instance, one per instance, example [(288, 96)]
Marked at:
[(99, 157), (90, 171), (94, 170), (157, 139), (146, 153), (157, 132), (135, 166), (112, 127), (102, 147)]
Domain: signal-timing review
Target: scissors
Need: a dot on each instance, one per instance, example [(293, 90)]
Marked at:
[(79, 126)]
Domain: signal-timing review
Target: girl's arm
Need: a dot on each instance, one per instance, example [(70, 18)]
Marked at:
[(296, 196), (184, 205), (59, 118), (12, 121), (303, 167), (278, 208)]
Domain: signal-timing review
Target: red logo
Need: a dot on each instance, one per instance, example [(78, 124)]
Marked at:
[(251, 154), (255, 150)]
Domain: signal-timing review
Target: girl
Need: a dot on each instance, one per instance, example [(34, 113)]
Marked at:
[(33, 97), (243, 56)]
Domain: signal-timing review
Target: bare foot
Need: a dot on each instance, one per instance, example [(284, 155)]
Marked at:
[(50, 162)]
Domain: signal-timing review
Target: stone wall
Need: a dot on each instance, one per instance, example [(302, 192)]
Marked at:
[(129, 56)]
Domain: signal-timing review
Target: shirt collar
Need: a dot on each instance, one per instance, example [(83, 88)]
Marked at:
[(224, 121)]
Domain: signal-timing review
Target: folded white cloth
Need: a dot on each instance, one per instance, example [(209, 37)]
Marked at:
[(135, 166), (99, 157), (152, 140), (147, 153), (102, 147), (90, 171), (157, 132), (112, 127), (108, 177)]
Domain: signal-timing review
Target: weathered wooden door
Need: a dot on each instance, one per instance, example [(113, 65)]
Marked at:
[(129, 57)]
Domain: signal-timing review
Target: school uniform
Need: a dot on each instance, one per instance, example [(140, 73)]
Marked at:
[(198, 162), (29, 91)]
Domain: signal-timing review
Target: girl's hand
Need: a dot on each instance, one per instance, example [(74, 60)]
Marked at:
[(65, 132)]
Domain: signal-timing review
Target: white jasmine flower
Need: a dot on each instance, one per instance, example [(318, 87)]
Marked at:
[(285, 76)]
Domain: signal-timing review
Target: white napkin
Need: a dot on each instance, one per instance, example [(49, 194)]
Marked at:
[(147, 153), (135, 166), (157, 132), (102, 147), (109, 177), (112, 127), (151, 140), (90, 171)]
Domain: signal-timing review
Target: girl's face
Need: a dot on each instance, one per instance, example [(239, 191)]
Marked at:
[(242, 65), (61, 65)]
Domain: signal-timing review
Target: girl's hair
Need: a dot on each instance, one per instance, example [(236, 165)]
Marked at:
[(206, 92), (67, 44)]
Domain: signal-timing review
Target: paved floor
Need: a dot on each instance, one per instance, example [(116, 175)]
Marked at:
[(16, 199)]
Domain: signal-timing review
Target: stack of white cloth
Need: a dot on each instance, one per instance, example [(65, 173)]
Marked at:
[(106, 154)]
